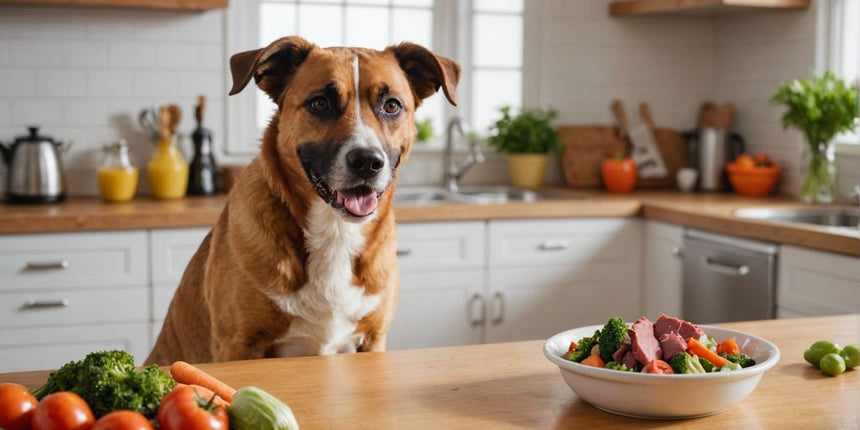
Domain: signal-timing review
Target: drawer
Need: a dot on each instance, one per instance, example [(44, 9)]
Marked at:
[(563, 241), (434, 246), (69, 260), (171, 250), (52, 347), (70, 307)]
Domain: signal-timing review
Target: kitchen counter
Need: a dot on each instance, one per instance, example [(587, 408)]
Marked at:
[(512, 385), (706, 211)]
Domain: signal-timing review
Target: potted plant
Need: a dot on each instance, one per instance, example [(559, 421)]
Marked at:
[(527, 139), (821, 108)]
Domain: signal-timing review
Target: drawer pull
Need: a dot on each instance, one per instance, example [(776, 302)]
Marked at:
[(47, 265), (725, 269), (554, 245), (479, 320), (676, 251), (404, 252), (44, 304), (499, 301)]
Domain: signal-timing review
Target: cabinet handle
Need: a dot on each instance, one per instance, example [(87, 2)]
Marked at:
[(476, 298), (44, 304), (676, 251), (726, 269), (553, 245), (500, 315), (404, 252), (47, 265)]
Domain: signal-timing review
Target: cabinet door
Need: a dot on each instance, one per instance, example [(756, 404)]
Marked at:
[(440, 308), (662, 269), (171, 250), (431, 246), (813, 283)]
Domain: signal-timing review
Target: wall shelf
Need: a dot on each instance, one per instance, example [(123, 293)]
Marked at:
[(198, 5), (699, 7)]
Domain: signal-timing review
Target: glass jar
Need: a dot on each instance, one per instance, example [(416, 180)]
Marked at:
[(116, 176), (167, 171), (819, 186)]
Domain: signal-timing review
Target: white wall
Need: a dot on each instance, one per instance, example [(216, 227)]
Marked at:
[(84, 74)]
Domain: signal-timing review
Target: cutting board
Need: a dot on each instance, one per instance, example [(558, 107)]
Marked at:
[(586, 146)]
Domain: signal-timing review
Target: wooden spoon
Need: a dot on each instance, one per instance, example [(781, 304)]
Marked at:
[(175, 117), (200, 110), (164, 120)]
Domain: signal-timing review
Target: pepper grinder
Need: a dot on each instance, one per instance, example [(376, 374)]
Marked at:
[(203, 173)]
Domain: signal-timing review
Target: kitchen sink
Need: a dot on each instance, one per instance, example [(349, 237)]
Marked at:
[(476, 195), (836, 216)]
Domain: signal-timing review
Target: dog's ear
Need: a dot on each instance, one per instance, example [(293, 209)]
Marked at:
[(427, 71), (271, 67)]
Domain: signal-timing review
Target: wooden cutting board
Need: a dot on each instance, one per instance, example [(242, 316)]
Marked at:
[(586, 146)]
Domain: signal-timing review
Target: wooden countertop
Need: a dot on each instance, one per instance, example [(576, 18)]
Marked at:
[(706, 211), (512, 385)]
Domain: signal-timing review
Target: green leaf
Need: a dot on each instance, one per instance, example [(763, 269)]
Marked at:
[(820, 107), (530, 132)]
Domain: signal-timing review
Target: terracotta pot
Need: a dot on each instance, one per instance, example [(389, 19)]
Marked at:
[(527, 170)]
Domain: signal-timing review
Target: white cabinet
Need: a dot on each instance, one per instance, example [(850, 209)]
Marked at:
[(662, 271), (812, 283), (170, 251)]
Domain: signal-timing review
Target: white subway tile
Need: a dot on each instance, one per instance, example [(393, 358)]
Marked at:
[(41, 23), (201, 27), (5, 59), (110, 24), (194, 82), (34, 53), (110, 83), (89, 54), (17, 82), (156, 25), (211, 56), (61, 83), (132, 54), (176, 55), (85, 112), (155, 83), (5, 112), (37, 112)]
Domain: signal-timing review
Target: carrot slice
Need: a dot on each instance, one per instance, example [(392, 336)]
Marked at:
[(694, 347), (594, 360), (185, 373), (728, 346)]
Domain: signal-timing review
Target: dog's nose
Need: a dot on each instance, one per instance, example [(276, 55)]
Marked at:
[(365, 162)]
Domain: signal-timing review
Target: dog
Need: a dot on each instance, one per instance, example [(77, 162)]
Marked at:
[(302, 259)]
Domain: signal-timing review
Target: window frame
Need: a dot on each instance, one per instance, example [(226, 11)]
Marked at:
[(452, 33), (830, 33)]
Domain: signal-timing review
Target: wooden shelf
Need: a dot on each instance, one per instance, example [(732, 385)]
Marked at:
[(198, 5), (699, 7)]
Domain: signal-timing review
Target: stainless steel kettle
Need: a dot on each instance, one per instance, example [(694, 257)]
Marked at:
[(35, 170), (709, 149)]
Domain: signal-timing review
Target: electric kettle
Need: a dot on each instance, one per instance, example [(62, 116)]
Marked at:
[(34, 169), (709, 149)]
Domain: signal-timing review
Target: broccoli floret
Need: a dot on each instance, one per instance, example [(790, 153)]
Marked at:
[(708, 342), (742, 359), (108, 381), (583, 348), (612, 337), (728, 367), (706, 365), (686, 363), (614, 365)]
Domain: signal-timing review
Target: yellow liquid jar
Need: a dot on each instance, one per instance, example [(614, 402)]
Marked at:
[(116, 176), (167, 171)]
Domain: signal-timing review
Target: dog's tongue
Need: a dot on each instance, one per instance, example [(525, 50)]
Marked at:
[(360, 202)]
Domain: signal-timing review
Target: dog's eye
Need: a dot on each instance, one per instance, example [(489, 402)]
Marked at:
[(392, 107), (319, 104)]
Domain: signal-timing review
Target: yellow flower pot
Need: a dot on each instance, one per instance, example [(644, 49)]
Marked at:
[(527, 170)]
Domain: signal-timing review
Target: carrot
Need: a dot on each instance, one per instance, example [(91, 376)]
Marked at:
[(694, 347), (185, 373), (728, 346), (594, 360)]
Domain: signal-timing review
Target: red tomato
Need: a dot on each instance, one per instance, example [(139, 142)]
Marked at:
[(619, 175), (16, 407), (657, 366), (123, 420), (184, 409), (63, 411)]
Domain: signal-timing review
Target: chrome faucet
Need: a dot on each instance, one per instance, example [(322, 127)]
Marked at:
[(453, 172), (856, 194)]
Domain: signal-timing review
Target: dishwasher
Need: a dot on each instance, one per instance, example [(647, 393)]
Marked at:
[(727, 278)]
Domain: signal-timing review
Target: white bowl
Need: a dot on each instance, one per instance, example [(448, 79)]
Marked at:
[(657, 396)]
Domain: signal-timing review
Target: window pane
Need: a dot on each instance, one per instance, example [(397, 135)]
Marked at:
[(413, 25), (265, 109), (497, 41), (851, 40), (431, 109), (320, 24), (276, 20), (419, 3), (367, 27), (492, 89), (385, 2), (499, 5)]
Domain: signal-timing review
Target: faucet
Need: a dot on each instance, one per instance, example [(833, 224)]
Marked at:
[(453, 172), (856, 194)]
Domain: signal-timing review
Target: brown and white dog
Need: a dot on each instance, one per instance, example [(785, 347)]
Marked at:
[(302, 260)]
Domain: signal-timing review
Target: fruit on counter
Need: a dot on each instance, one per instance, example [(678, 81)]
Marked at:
[(16, 407), (832, 360), (619, 174), (753, 176), (255, 409), (123, 420), (832, 364), (185, 409), (108, 381), (63, 411), (819, 349), (850, 355)]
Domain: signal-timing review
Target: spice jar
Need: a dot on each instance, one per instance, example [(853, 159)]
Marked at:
[(116, 176)]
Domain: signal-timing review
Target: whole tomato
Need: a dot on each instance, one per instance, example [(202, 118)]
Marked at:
[(745, 162), (123, 420), (184, 409), (63, 411), (619, 174), (16, 407)]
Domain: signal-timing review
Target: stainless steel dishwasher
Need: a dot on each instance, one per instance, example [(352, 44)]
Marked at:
[(727, 278)]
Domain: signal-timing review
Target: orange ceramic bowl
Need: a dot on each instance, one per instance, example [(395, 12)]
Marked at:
[(753, 182)]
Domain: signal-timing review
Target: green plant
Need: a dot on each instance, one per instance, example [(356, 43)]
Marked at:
[(820, 107), (423, 130), (528, 132)]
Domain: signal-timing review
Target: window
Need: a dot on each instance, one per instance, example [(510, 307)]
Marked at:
[(485, 36), (844, 50)]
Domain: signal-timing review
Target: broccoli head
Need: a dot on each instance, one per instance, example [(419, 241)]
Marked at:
[(728, 367), (583, 348), (742, 359), (686, 363), (708, 342), (614, 365), (706, 365), (611, 337)]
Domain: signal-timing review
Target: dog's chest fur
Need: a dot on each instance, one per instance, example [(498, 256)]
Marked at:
[(326, 310)]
